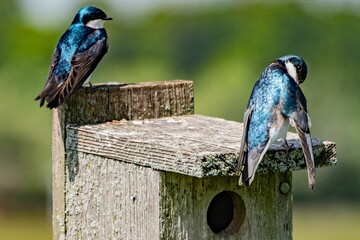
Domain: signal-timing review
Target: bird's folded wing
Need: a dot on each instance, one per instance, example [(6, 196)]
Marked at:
[(301, 121), (243, 146), (51, 86), (83, 63)]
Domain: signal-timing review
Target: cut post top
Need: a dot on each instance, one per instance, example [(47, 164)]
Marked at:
[(114, 101)]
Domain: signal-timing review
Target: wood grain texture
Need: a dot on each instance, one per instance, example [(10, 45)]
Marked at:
[(115, 200), (58, 177), (102, 103), (185, 200), (113, 101), (194, 145), (111, 200)]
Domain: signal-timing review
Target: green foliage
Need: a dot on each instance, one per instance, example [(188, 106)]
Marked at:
[(224, 51), (33, 226), (326, 222)]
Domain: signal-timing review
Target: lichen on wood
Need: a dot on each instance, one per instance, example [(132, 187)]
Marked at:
[(194, 145)]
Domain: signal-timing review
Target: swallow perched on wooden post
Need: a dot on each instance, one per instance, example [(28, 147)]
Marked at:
[(275, 102), (76, 55)]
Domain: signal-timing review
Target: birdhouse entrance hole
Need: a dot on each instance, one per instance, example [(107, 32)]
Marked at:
[(226, 213)]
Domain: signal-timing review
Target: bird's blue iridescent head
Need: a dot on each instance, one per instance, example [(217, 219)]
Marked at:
[(90, 16), (295, 66)]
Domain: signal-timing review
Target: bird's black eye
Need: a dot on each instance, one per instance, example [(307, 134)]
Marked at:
[(93, 16)]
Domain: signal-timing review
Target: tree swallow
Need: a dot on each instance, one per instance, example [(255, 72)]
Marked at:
[(76, 55), (276, 100)]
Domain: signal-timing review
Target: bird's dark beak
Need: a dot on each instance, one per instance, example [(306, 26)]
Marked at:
[(108, 18)]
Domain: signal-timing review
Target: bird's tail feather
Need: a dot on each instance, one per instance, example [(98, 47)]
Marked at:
[(306, 144), (242, 168), (42, 100), (251, 163), (243, 156)]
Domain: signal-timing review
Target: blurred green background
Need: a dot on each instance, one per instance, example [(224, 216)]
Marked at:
[(223, 46)]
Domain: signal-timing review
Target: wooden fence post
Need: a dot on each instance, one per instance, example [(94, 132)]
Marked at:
[(160, 172), (109, 102)]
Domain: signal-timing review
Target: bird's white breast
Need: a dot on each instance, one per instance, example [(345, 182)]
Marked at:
[(96, 24), (279, 127), (291, 70)]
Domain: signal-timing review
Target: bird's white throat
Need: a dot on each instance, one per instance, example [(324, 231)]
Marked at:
[(96, 24), (291, 70)]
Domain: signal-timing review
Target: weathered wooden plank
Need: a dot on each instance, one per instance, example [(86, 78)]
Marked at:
[(172, 144), (185, 201), (114, 101), (106, 102), (58, 177), (111, 199)]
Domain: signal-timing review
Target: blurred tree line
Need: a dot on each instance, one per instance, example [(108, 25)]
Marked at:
[(224, 50)]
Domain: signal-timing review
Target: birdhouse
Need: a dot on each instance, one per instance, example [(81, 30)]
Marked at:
[(134, 162)]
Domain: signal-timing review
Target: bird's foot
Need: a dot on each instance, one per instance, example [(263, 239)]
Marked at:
[(92, 87), (287, 148)]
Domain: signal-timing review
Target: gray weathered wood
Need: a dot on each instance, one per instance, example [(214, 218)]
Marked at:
[(115, 200), (58, 176), (184, 201), (194, 145), (111, 200), (114, 101), (110, 102)]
